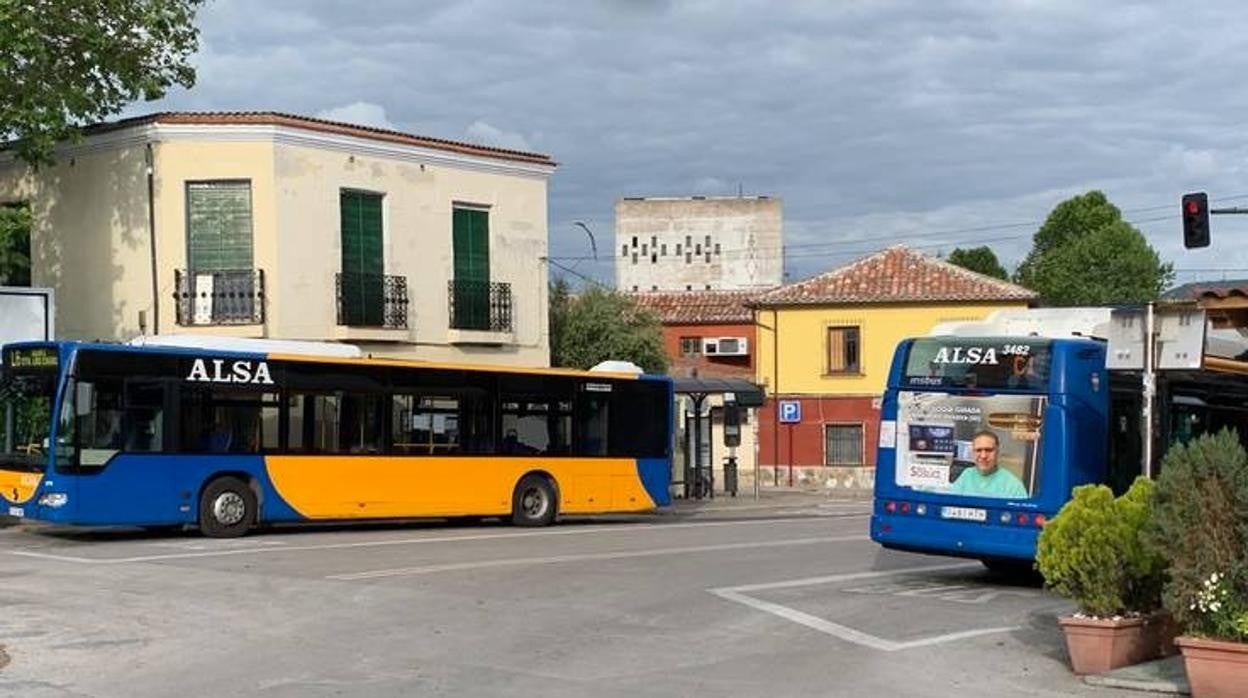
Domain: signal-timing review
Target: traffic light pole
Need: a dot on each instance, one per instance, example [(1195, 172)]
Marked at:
[(1218, 211)]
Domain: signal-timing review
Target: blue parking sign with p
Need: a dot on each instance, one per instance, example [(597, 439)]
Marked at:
[(790, 411)]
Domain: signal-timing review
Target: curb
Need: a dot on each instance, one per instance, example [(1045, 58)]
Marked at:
[(1158, 676)]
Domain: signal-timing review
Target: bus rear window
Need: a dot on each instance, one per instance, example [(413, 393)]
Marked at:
[(1010, 363)]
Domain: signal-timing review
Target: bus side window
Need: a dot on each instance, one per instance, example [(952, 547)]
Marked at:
[(592, 423), (425, 424), (123, 415)]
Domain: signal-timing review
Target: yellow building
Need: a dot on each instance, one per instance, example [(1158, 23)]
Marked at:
[(836, 334), (277, 226)]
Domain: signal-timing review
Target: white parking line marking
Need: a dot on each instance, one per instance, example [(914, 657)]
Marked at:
[(555, 559), (278, 547), (845, 632)]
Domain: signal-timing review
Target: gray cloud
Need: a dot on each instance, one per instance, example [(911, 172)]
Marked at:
[(935, 123)]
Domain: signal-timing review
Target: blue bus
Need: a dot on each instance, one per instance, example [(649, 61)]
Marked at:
[(982, 440), (156, 436)]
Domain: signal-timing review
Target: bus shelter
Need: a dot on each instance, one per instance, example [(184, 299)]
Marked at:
[(697, 473)]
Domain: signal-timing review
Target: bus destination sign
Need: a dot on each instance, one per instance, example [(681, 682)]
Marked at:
[(31, 358)]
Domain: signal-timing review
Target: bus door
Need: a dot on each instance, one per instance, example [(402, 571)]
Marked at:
[(1125, 459)]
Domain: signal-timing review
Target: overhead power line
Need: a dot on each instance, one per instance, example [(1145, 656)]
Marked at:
[(844, 248)]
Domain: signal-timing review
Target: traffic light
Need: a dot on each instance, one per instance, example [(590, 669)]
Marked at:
[(1195, 220)]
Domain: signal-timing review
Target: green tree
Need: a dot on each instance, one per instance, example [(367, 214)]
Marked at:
[(560, 300), (1086, 254), (64, 63), (979, 259), (599, 325), (15, 245)]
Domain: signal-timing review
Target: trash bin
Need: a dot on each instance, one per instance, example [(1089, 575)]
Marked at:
[(730, 475)]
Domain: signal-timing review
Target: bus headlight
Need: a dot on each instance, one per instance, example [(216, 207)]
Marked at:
[(54, 500)]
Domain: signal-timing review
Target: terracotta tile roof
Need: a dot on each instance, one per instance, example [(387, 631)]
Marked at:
[(699, 307), (270, 118), (1219, 290), (897, 274)]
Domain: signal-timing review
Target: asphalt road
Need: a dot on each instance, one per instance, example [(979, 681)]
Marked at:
[(751, 601)]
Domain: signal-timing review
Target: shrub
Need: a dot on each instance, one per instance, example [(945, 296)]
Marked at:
[(1201, 529), (1095, 552)]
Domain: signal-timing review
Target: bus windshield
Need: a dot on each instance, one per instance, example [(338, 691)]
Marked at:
[(969, 445), (26, 410)]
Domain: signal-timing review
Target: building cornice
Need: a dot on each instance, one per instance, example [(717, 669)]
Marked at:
[(140, 135)]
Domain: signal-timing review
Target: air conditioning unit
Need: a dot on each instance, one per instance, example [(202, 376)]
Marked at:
[(725, 346)]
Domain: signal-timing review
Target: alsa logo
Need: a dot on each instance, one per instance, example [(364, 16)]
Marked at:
[(221, 371), (966, 355)]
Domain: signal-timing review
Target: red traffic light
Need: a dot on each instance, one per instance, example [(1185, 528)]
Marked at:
[(1195, 220)]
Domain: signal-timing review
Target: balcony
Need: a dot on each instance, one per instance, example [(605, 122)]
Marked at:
[(223, 297), (480, 305), (371, 300)]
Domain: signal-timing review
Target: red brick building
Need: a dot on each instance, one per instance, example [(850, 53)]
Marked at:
[(709, 335), (706, 333)]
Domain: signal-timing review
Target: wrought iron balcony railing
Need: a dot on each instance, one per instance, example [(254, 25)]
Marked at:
[(480, 305), (371, 300), (219, 297)]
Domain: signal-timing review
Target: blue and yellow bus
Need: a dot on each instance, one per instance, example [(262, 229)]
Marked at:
[(117, 435), (982, 440)]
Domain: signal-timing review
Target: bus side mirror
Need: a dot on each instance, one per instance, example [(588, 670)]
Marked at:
[(732, 426), (84, 398)]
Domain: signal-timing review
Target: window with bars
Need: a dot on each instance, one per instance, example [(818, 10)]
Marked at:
[(842, 444), (690, 346), (844, 344)]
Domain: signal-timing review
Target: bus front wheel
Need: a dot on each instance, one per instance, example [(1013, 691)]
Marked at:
[(533, 502), (227, 508)]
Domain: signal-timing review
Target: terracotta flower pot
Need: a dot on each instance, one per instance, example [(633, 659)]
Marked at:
[(1215, 668), (1098, 645)]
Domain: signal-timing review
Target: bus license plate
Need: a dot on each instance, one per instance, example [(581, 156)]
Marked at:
[(17, 511), (964, 513)]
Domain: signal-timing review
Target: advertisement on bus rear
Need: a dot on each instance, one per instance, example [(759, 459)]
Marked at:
[(971, 445)]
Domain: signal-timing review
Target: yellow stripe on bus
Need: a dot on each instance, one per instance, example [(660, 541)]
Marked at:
[(358, 487), (408, 363), (17, 487)]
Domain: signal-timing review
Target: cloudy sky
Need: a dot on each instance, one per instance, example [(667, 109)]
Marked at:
[(934, 123)]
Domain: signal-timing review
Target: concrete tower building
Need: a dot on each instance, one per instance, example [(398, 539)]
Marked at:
[(698, 243)]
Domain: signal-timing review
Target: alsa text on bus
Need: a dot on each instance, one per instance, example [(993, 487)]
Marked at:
[(969, 355), (234, 372)]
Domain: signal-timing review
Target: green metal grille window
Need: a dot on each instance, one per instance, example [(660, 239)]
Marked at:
[(219, 233), (362, 281), (471, 238), (843, 444)]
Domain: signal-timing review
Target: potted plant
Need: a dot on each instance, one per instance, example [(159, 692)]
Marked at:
[(1095, 553), (1201, 528)]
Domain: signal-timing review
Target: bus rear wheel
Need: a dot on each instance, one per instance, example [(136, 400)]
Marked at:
[(227, 508), (533, 502)]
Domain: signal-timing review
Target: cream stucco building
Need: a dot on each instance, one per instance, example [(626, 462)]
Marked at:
[(277, 226)]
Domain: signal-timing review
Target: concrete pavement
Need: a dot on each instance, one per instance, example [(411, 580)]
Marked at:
[(1163, 676)]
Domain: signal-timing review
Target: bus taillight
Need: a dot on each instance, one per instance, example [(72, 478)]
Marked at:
[(905, 507), (1039, 519), (1023, 519), (890, 507)]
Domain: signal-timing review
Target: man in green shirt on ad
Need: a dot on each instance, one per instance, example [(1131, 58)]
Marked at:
[(987, 479)]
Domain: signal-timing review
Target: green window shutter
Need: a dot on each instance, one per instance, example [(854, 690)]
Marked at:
[(363, 265), (219, 230), (471, 238)]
